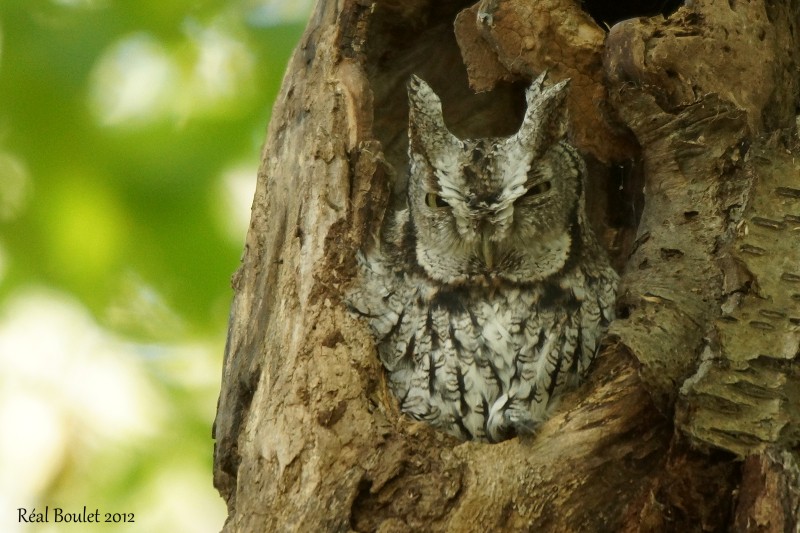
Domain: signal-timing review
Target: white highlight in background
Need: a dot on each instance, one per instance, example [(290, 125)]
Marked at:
[(134, 80), (68, 388), (236, 188)]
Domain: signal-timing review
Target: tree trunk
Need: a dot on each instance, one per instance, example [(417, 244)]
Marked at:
[(689, 420)]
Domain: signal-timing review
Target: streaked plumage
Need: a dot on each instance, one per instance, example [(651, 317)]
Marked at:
[(489, 292)]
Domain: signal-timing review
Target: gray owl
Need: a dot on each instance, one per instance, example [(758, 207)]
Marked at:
[(488, 293)]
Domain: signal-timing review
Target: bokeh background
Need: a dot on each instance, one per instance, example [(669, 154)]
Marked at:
[(130, 133)]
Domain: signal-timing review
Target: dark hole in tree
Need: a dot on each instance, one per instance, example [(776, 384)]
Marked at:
[(408, 38), (403, 41), (623, 206), (623, 312), (625, 182), (608, 12)]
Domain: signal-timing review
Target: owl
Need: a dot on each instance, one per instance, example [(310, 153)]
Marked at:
[(488, 292)]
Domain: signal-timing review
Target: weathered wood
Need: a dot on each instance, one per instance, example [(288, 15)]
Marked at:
[(307, 437), (768, 497)]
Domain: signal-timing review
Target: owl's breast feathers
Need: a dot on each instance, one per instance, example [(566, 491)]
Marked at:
[(484, 361)]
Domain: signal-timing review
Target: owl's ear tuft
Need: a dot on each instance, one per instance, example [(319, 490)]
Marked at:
[(534, 91), (422, 100), (427, 131), (545, 121)]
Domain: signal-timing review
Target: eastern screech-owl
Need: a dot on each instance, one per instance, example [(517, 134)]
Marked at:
[(489, 292)]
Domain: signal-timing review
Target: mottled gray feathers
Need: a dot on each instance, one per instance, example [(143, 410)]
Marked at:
[(488, 294)]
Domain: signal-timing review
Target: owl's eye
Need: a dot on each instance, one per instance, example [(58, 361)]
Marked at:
[(538, 189), (434, 201)]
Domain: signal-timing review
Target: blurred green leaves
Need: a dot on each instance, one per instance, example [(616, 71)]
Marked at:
[(130, 135), (121, 124)]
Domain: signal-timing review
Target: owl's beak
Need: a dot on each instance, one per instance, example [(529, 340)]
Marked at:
[(487, 252)]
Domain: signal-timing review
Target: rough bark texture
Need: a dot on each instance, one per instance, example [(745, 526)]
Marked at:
[(690, 419)]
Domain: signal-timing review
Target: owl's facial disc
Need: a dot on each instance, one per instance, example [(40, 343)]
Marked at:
[(492, 209)]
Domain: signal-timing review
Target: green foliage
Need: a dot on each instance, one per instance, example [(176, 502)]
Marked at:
[(130, 135), (113, 194)]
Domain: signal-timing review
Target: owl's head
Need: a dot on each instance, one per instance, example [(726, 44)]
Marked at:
[(485, 210)]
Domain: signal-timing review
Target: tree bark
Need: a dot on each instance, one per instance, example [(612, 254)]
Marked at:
[(689, 420)]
